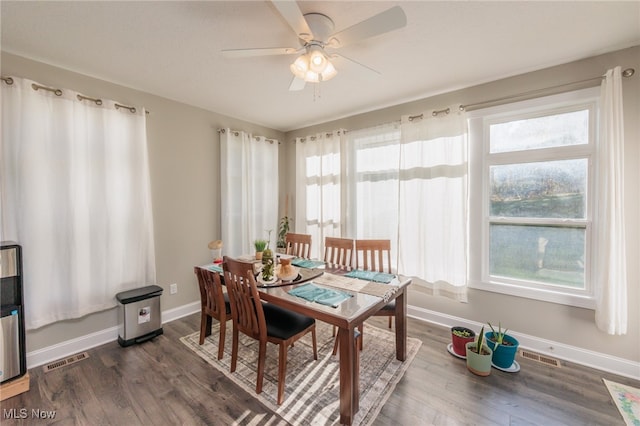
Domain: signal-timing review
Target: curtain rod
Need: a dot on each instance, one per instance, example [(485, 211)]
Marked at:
[(58, 92), (626, 73), (257, 137)]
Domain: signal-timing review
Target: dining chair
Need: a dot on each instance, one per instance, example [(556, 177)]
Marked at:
[(298, 245), (264, 322), (338, 251), (214, 303), (375, 255)]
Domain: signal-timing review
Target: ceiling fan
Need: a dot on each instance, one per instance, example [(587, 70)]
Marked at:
[(315, 34)]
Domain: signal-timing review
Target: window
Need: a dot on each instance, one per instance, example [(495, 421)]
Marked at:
[(532, 213)]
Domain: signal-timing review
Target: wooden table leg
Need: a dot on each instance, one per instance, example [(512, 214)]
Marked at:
[(401, 326), (348, 375)]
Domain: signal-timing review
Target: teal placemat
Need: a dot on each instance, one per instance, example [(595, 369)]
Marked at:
[(306, 263), (213, 267), (379, 277), (324, 296)]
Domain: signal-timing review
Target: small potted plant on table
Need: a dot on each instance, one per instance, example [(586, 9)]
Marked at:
[(479, 356), (260, 246), (504, 347), (460, 336)]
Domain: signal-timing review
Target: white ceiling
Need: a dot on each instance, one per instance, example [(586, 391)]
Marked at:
[(173, 49)]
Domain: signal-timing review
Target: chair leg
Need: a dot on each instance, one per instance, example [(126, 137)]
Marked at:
[(262, 354), (315, 344), (223, 329), (390, 321), (234, 349), (282, 371), (356, 366), (205, 327), (335, 346), (361, 337)]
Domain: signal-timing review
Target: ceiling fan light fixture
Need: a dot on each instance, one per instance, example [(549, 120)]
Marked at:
[(300, 66), (317, 59), (329, 72), (313, 66)]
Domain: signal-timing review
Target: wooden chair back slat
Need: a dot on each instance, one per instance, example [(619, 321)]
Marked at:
[(246, 308), (338, 251), (373, 255), (298, 245), (211, 294)]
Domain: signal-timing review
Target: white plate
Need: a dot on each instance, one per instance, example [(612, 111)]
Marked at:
[(452, 352), (291, 276), (263, 282), (515, 367)]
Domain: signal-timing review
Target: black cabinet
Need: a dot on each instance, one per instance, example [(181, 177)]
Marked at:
[(13, 356)]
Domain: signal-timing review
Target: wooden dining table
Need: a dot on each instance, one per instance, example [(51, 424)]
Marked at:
[(347, 316)]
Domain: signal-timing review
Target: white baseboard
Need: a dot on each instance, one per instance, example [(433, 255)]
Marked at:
[(83, 343), (600, 361)]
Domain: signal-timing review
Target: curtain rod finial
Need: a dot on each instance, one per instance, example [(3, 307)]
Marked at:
[(628, 72)]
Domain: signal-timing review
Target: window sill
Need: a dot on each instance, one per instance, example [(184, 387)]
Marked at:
[(587, 302)]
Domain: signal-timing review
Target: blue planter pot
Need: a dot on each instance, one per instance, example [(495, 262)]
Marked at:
[(503, 355)]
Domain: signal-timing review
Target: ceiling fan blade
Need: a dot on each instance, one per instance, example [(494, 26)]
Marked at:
[(389, 20), (294, 17), (338, 56), (265, 51), (297, 84)]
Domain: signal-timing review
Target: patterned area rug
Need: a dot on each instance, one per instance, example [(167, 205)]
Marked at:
[(312, 387), (627, 399)]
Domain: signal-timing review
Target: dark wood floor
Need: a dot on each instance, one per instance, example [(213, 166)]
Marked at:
[(162, 382)]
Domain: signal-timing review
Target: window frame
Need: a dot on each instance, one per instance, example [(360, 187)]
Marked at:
[(481, 161)]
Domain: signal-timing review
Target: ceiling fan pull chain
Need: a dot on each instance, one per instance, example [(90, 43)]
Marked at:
[(316, 92)]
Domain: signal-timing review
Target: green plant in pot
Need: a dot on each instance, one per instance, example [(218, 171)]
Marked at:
[(479, 356), (283, 228), (260, 246), (504, 346), (460, 336)]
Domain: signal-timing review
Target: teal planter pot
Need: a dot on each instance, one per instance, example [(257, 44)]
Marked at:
[(503, 355)]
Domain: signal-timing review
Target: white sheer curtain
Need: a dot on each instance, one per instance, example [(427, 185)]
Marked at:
[(75, 194), (432, 217), (611, 278), (319, 194), (249, 177), (372, 187)]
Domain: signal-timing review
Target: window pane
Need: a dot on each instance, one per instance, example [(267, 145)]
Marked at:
[(571, 128), (545, 254), (554, 189)]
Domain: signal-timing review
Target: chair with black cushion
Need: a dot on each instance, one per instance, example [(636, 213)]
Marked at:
[(298, 245), (264, 322), (214, 303), (375, 255), (338, 251)]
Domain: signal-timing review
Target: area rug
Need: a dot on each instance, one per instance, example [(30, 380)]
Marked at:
[(627, 399), (312, 387)]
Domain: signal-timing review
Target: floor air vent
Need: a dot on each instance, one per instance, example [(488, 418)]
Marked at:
[(70, 360), (540, 358)]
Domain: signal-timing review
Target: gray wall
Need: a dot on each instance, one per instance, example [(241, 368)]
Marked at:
[(559, 323), (183, 151)]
